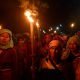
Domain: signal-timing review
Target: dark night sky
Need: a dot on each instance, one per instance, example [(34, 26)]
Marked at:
[(63, 10), (59, 11)]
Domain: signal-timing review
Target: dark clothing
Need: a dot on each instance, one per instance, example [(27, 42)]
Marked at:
[(69, 70), (49, 74), (50, 71), (8, 64), (23, 61)]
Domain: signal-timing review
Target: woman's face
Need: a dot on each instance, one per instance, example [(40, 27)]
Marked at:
[(72, 46), (4, 38), (47, 38), (55, 50), (21, 41)]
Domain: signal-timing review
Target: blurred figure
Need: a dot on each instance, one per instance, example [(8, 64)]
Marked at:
[(45, 42), (71, 57), (23, 58), (51, 68), (78, 33), (8, 61), (37, 47), (64, 38)]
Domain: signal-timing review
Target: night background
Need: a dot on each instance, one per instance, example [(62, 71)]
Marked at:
[(51, 13)]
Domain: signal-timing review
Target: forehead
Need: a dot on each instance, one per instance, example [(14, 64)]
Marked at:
[(4, 34), (54, 43), (73, 42)]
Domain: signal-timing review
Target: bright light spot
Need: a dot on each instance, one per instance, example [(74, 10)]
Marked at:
[(49, 29), (55, 31), (72, 25), (44, 32), (31, 13), (37, 24), (60, 25), (57, 28), (28, 14), (30, 19)]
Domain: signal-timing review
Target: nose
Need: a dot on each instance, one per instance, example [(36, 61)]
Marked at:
[(55, 50)]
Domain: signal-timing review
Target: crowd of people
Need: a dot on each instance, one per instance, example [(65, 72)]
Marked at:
[(56, 57)]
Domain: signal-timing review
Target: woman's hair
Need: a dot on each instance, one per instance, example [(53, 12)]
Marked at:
[(75, 39)]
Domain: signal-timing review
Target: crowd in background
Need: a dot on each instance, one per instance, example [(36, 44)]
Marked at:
[(56, 57)]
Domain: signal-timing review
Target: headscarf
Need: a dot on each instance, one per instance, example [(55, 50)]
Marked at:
[(10, 44)]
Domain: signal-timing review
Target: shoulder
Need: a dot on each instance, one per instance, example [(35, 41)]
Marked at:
[(11, 50)]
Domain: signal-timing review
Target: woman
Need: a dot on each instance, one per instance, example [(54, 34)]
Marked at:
[(51, 68), (8, 61), (23, 58), (71, 58)]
